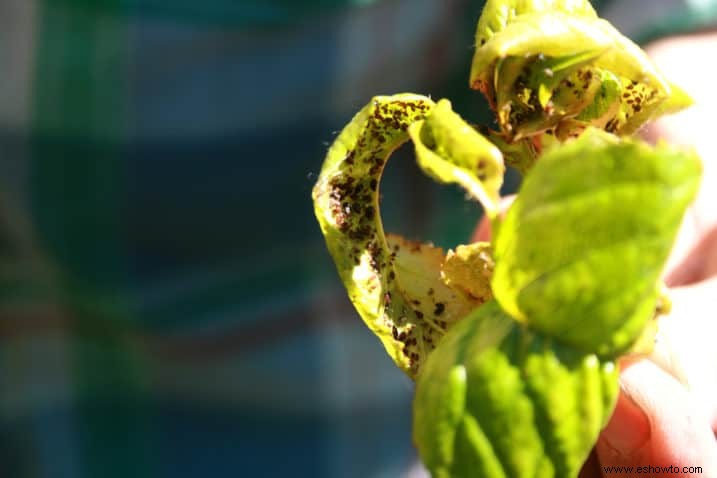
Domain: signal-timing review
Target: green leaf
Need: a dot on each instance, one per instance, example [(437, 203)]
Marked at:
[(397, 286), (535, 93), (605, 103), (556, 34), (539, 63), (496, 399), (579, 253), (497, 14), (449, 150), (520, 154)]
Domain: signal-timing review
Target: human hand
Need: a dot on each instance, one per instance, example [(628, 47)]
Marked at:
[(666, 413), (667, 409)]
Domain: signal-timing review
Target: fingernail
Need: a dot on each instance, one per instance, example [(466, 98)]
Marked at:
[(629, 427)]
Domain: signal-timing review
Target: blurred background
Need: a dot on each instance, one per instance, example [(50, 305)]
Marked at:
[(167, 305)]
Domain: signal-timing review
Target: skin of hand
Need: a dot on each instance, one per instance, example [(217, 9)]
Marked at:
[(666, 414)]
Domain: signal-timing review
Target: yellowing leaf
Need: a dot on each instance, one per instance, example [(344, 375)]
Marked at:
[(395, 284), (469, 270), (544, 66), (451, 151)]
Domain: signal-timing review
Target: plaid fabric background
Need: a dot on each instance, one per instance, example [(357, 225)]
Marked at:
[(167, 307)]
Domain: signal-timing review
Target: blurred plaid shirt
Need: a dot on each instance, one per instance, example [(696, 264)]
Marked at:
[(167, 305)]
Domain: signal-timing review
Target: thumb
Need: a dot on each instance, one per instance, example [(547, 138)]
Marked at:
[(657, 425)]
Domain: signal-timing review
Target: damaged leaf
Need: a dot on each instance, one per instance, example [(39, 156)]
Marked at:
[(469, 269), (554, 68), (397, 285)]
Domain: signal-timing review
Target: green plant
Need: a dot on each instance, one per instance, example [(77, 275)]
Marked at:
[(513, 343)]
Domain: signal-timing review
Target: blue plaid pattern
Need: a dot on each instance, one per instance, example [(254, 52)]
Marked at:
[(167, 306)]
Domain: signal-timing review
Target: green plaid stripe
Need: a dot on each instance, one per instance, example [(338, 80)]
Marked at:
[(80, 327), (76, 334), (76, 188)]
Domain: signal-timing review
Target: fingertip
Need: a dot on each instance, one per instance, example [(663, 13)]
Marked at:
[(628, 429), (483, 232), (656, 423)]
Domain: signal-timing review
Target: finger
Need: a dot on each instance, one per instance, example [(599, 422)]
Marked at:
[(591, 467), (685, 343), (685, 351), (483, 232), (699, 264), (678, 269), (691, 127), (656, 424)]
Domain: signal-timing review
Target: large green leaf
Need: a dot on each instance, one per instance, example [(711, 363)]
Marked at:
[(580, 252), (497, 400)]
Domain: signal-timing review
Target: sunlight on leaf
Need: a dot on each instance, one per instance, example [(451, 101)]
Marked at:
[(498, 400), (554, 68), (580, 251), (451, 151)]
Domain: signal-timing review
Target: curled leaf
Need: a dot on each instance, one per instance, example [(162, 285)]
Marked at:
[(580, 252), (397, 285), (554, 67), (450, 150), (536, 93), (605, 104), (497, 14), (496, 399), (469, 269)]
